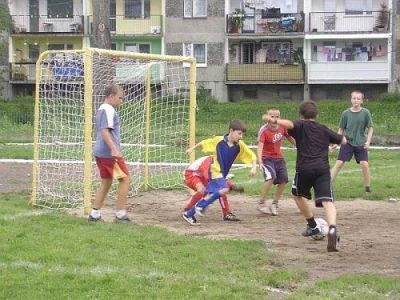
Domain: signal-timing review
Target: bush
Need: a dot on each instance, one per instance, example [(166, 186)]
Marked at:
[(390, 97), (205, 101), (19, 110)]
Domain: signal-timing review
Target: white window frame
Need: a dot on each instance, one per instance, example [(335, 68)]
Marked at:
[(191, 8), (137, 45), (188, 51)]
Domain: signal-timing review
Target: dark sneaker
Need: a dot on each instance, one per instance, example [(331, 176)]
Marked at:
[(368, 190), (311, 231), (333, 239), (231, 217), (191, 220), (237, 188), (92, 219), (124, 219)]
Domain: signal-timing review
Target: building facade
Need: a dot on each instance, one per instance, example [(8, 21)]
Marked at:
[(263, 50)]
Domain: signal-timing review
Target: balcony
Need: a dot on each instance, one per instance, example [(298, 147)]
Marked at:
[(144, 25), (349, 72), (265, 73), (45, 24), (24, 72), (257, 24), (341, 22)]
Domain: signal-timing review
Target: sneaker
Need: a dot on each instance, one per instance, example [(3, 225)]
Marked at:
[(368, 190), (311, 231), (191, 220), (273, 208), (237, 188), (92, 219), (333, 239), (124, 219), (199, 210), (262, 207), (231, 217)]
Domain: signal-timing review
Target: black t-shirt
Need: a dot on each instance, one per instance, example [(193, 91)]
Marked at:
[(312, 142)]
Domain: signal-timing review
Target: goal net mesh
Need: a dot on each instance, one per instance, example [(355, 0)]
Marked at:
[(156, 118)]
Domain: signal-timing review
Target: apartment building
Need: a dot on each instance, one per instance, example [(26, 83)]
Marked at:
[(258, 49)]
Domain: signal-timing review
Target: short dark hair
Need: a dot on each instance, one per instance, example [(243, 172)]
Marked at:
[(111, 89), (237, 125), (308, 109)]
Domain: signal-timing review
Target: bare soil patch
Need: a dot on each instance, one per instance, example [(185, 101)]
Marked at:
[(369, 230)]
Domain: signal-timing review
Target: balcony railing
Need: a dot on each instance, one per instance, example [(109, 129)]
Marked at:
[(257, 25), (145, 25), (265, 72), (23, 72), (47, 24), (348, 72), (342, 22)]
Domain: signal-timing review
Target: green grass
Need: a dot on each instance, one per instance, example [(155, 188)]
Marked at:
[(56, 254), (48, 255)]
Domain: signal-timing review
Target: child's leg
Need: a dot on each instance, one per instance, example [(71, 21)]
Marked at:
[(265, 189), (122, 192), (303, 206), (223, 201), (330, 212), (279, 191), (101, 194), (193, 200), (366, 173)]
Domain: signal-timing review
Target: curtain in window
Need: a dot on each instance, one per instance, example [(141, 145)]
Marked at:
[(199, 52)]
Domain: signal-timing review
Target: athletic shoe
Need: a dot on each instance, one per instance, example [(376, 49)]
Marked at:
[(311, 231), (273, 208), (368, 191), (333, 238), (231, 217), (92, 219), (237, 188), (262, 207), (124, 219), (199, 210), (191, 220)]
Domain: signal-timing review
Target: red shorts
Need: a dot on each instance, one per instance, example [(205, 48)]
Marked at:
[(191, 180), (112, 167)]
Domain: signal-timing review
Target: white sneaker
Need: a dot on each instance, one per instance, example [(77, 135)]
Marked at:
[(273, 209), (262, 207)]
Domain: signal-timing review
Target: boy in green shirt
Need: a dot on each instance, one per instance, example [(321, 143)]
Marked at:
[(353, 123)]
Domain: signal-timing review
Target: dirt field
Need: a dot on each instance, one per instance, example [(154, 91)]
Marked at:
[(369, 230)]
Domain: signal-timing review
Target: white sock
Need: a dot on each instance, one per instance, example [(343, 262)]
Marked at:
[(95, 213), (121, 213)]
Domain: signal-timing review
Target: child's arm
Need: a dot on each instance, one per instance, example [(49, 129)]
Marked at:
[(190, 150), (253, 169), (259, 154), (285, 123), (291, 140), (369, 138)]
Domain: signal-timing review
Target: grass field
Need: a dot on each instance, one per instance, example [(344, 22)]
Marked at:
[(48, 255)]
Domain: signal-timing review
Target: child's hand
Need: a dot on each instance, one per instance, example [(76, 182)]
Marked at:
[(252, 172), (189, 151), (332, 147)]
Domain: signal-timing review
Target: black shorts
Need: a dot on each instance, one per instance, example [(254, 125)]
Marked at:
[(319, 180), (275, 169), (347, 151)]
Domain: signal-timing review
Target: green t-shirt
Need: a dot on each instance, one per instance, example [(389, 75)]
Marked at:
[(354, 125)]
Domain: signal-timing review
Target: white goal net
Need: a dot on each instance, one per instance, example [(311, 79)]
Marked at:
[(157, 121)]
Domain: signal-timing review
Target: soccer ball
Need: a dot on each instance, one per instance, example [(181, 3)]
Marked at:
[(323, 225)]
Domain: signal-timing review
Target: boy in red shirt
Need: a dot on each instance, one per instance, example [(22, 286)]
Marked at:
[(271, 161), (196, 177)]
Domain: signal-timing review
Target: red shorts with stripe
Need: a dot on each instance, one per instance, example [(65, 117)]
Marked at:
[(191, 179), (112, 167)]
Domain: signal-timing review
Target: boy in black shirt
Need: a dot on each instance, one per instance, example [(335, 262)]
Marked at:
[(312, 168)]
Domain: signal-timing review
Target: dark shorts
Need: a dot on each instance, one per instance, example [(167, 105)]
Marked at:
[(215, 185), (346, 153), (275, 169), (319, 180)]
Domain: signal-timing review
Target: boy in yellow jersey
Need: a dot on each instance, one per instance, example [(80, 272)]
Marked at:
[(225, 150)]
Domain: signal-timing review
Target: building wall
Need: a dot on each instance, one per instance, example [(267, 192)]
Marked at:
[(210, 30), (266, 93), (343, 91)]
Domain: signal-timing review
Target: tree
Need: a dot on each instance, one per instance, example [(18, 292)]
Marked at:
[(101, 24)]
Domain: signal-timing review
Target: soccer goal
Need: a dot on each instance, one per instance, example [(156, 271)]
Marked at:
[(157, 121)]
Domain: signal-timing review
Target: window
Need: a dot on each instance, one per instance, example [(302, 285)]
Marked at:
[(195, 8), (138, 48), (250, 94), (247, 53), (334, 94), (277, 52), (358, 7), (137, 9), (198, 51), (60, 47), (60, 8), (113, 46), (34, 52)]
